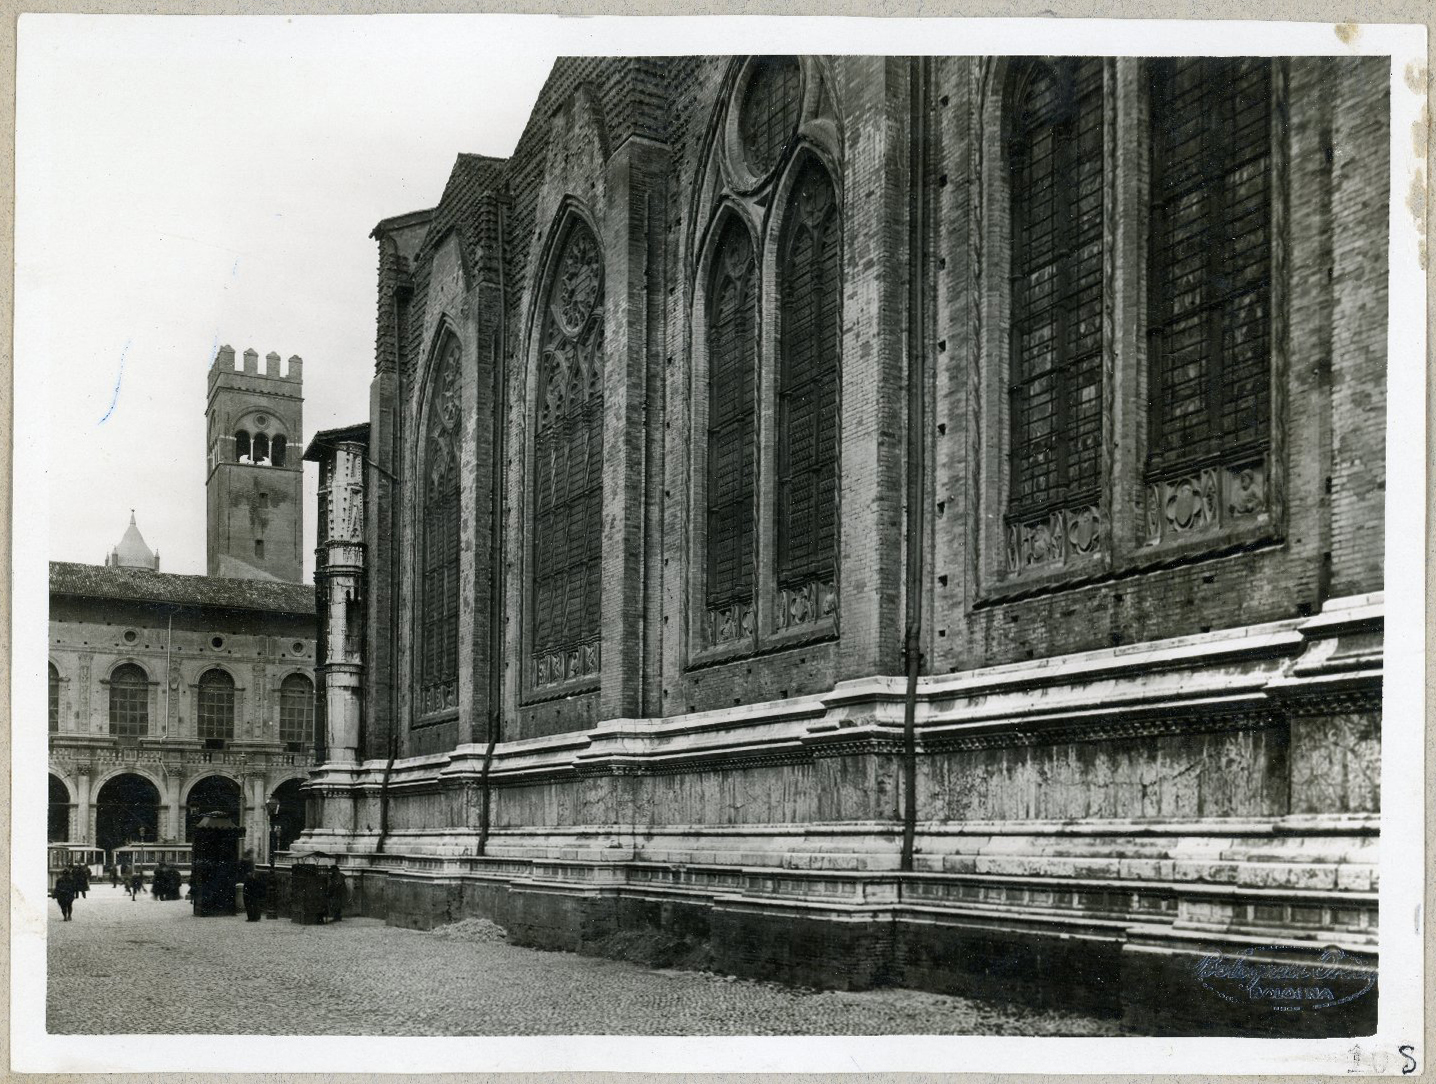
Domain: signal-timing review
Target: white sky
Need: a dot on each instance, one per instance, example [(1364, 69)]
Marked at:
[(186, 182)]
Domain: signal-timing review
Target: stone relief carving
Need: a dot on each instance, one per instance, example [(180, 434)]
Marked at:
[(1055, 539), (735, 621), (571, 664), (805, 604), (1191, 505)]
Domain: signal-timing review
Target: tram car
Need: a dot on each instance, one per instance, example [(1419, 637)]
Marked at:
[(144, 857), (62, 855)]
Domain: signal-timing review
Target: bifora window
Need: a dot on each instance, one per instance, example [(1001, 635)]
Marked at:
[(809, 315), (215, 714), (1055, 379), (129, 702), (568, 470), (1210, 272), (732, 378), (54, 699), (439, 603), (296, 710)]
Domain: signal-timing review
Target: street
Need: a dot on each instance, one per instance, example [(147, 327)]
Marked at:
[(142, 966)]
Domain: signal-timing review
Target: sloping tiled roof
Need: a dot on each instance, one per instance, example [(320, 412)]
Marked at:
[(142, 585)]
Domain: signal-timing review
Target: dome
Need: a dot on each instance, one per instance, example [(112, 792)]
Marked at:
[(132, 551)]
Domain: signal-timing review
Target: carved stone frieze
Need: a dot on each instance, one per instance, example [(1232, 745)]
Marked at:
[(1105, 730), (441, 697), (575, 663), (1198, 503), (805, 604), (1055, 539), (730, 623)]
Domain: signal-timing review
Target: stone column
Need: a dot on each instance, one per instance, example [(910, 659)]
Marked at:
[(342, 579), (82, 831), (174, 825)]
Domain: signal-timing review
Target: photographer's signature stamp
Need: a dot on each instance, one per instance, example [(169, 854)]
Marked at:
[(1266, 976)]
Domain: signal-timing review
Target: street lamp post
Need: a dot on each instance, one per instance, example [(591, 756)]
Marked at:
[(272, 895)]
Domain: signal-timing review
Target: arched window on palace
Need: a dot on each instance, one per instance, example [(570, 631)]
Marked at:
[(438, 649), (241, 447), (215, 710), (1209, 278), (129, 702), (296, 711), (277, 447), (54, 699), (568, 470), (1055, 166), (732, 346), (810, 300)]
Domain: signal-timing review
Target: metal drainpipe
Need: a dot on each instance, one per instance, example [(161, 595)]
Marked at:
[(384, 794), (916, 444), (496, 562)]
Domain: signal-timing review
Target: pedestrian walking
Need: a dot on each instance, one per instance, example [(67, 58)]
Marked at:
[(65, 893), (114, 873), (82, 880), (137, 883)]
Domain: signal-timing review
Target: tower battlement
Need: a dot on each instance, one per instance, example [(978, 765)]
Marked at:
[(255, 434), (225, 363)]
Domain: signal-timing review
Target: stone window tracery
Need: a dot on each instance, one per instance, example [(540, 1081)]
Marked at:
[(1055, 162), (810, 301), (439, 594), (732, 344), (1210, 279), (129, 702), (771, 107), (566, 548), (214, 716)]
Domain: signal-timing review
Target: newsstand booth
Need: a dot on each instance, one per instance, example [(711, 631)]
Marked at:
[(308, 879), (215, 870)]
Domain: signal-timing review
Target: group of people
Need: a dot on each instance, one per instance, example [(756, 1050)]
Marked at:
[(167, 882), (74, 880)]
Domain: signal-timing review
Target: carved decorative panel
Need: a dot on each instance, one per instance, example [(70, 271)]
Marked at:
[(805, 604), (1204, 501), (568, 471), (438, 650)]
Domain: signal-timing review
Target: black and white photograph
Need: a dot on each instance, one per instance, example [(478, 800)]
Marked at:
[(620, 541)]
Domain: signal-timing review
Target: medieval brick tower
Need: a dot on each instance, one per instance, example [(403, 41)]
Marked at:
[(255, 525)]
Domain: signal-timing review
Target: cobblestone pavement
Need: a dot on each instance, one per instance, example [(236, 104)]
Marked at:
[(148, 967)]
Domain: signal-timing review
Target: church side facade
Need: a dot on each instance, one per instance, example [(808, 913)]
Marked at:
[(894, 520)]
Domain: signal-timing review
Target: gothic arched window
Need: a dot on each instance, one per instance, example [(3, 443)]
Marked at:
[(277, 448), (54, 699), (810, 309), (568, 469), (296, 710), (732, 343), (214, 715), (439, 593), (129, 702), (1210, 275), (1055, 162), (241, 446)]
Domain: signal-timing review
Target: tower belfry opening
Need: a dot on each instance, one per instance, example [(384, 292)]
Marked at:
[(254, 489)]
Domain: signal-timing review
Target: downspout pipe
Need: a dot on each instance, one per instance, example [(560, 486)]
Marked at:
[(384, 794), (916, 444)]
